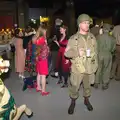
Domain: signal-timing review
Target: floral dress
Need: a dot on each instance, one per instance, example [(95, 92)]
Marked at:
[(29, 62)]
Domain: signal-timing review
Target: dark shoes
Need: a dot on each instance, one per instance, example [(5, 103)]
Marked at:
[(88, 104), (72, 107), (73, 103), (59, 82), (64, 85), (46, 82), (92, 85), (105, 86), (96, 85)]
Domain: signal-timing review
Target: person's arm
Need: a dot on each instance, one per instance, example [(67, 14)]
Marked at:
[(35, 37), (71, 51), (12, 41), (113, 45), (95, 46)]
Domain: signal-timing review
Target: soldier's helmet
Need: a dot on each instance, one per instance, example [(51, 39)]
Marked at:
[(91, 21), (82, 18)]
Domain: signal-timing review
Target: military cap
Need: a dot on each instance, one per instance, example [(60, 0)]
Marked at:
[(82, 18), (107, 26)]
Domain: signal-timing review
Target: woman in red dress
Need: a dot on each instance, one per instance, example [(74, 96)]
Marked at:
[(42, 52), (63, 64)]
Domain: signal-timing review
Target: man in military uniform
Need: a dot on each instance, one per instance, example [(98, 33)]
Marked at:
[(95, 30), (82, 51), (106, 47), (115, 73)]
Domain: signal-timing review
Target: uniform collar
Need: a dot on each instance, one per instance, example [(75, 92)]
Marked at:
[(80, 35)]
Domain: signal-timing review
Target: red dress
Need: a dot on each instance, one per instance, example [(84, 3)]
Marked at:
[(42, 59), (61, 60)]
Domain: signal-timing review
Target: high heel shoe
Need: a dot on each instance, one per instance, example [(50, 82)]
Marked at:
[(45, 93)]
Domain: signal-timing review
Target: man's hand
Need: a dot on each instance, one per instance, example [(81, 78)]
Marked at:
[(68, 47), (54, 38), (57, 43), (67, 61), (81, 52)]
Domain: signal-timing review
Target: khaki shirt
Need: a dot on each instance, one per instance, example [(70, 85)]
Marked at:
[(116, 34), (76, 42)]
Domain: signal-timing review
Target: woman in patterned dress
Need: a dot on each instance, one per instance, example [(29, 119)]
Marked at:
[(42, 52)]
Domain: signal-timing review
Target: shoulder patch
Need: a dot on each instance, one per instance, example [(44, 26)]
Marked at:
[(74, 37)]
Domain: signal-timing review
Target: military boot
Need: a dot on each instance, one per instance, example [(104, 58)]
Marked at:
[(96, 85), (92, 85), (105, 86), (72, 106), (88, 104)]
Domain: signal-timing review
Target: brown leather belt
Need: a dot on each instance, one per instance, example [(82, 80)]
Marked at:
[(117, 45)]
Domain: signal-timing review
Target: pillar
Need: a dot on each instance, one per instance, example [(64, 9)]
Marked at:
[(26, 13), (21, 14), (70, 14)]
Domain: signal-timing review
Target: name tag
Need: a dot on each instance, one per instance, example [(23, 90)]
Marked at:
[(88, 52)]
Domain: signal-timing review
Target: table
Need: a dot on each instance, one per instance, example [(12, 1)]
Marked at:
[(5, 47)]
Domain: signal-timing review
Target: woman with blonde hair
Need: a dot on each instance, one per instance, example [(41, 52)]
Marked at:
[(42, 52)]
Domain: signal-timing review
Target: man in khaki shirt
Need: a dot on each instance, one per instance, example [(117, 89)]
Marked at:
[(106, 47), (82, 51), (115, 73)]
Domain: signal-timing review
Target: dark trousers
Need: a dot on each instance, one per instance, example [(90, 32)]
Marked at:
[(65, 75)]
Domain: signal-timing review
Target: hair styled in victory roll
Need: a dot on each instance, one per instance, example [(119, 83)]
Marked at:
[(41, 30)]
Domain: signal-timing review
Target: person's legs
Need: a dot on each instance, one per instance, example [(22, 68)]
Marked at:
[(99, 75), (60, 76), (38, 88), (65, 76), (87, 91), (43, 81), (113, 68), (117, 77), (54, 59), (74, 85), (106, 72)]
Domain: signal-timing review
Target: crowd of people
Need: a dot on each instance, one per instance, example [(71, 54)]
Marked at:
[(33, 53), (90, 57)]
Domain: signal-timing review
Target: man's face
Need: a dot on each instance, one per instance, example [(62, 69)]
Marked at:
[(84, 26)]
